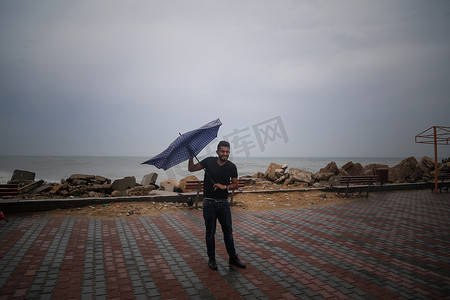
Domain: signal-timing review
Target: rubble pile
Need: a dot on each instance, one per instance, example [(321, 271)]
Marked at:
[(82, 186), (408, 170), (276, 177)]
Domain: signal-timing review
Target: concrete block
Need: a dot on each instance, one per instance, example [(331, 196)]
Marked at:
[(124, 184), (149, 179), (20, 175)]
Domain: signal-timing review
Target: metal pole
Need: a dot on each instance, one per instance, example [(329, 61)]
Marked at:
[(435, 162)]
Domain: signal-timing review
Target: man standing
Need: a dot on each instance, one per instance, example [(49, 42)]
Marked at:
[(219, 171)]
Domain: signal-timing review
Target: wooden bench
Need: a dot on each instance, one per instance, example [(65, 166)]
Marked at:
[(443, 181), (197, 185), (9, 190), (356, 182)]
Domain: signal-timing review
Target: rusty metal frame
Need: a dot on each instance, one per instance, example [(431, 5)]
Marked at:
[(436, 135)]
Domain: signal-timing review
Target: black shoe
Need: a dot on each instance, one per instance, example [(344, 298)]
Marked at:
[(235, 261), (212, 264)]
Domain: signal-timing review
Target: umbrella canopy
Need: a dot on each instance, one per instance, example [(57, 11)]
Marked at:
[(185, 146)]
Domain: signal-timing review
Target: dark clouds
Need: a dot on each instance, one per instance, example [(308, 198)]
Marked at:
[(354, 78)]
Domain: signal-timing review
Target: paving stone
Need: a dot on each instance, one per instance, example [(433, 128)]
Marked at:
[(379, 247)]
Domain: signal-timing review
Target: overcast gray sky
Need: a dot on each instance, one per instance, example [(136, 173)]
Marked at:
[(122, 78)]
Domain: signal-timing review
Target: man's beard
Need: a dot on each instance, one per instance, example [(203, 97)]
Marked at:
[(224, 159)]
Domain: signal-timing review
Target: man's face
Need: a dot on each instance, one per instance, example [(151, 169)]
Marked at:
[(223, 153)]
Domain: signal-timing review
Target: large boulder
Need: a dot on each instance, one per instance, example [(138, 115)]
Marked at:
[(408, 170), (326, 173), (444, 167), (101, 180), (124, 184), (335, 180), (185, 180), (321, 176), (79, 179), (274, 171), (149, 179), (258, 175), (353, 169), (297, 175), (169, 185), (330, 168), (426, 164), (370, 169), (22, 176)]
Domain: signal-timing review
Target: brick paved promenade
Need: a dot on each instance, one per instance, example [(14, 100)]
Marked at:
[(393, 245)]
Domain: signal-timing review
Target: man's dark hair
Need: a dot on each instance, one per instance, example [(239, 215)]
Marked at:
[(223, 144)]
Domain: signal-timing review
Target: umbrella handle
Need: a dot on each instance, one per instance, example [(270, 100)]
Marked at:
[(204, 169), (192, 153)]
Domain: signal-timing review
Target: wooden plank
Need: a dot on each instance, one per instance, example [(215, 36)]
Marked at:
[(9, 189)]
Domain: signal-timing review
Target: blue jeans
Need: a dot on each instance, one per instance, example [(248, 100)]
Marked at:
[(213, 211)]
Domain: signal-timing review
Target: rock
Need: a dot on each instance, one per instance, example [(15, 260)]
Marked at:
[(342, 172), (370, 169), (300, 185), (335, 180), (100, 188), (149, 179), (326, 173), (169, 185), (297, 175), (77, 177), (31, 186), (124, 184), (116, 194), (20, 176), (330, 168), (43, 188), (280, 179), (271, 172), (426, 164), (140, 190), (321, 184), (249, 180), (353, 169), (101, 179), (408, 170), (320, 176), (279, 173), (259, 175), (444, 167), (56, 189), (185, 180)]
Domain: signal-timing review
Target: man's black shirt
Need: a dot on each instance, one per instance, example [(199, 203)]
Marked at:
[(219, 174)]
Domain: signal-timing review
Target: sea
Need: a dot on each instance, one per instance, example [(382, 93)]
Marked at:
[(56, 168)]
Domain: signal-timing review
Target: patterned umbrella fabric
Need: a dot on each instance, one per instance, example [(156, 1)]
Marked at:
[(186, 146)]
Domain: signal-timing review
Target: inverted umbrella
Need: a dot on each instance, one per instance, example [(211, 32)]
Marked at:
[(186, 146)]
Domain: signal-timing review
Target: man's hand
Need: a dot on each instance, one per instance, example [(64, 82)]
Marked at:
[(191, 153), (193, 167), (219, 186)]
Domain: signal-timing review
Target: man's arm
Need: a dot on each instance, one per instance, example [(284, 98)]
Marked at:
[(232, 186), (194, 167)]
